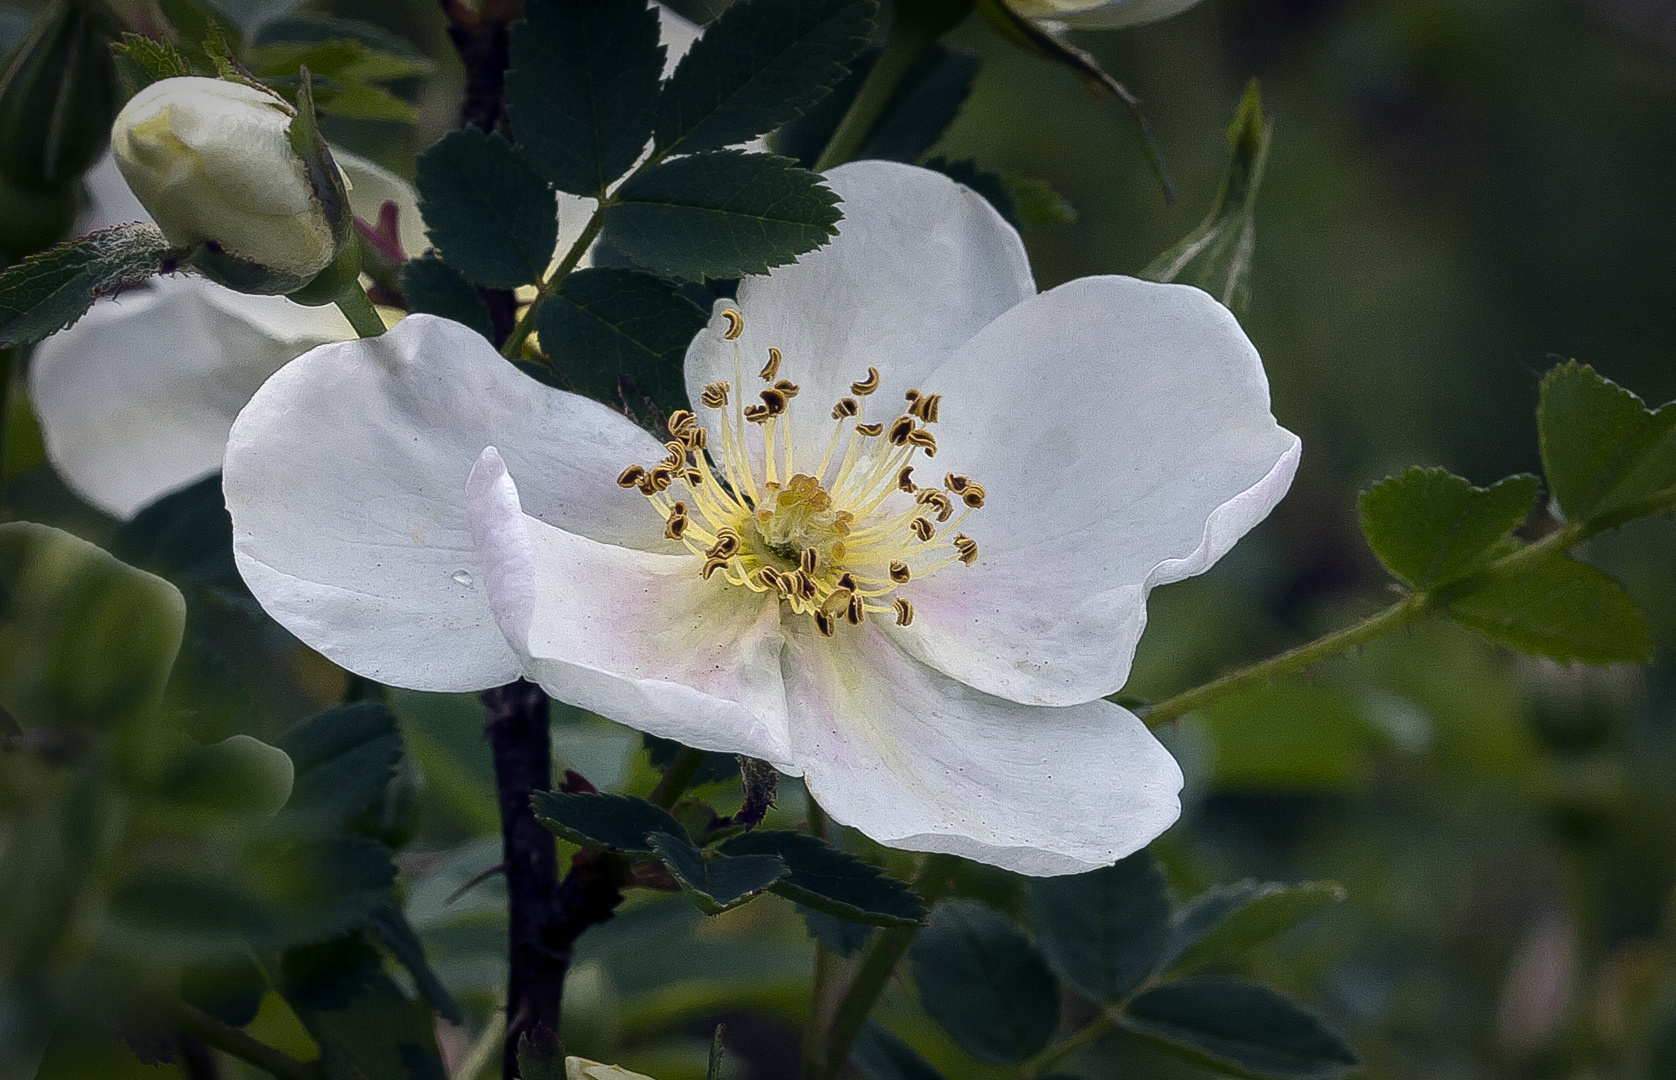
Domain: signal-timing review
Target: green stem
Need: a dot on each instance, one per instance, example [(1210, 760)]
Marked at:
[(676, 778), (888, 948), (814, 1028), (526, 323), (1067, 1046), (357, 307), (230, 1040), (8, 358), (902, 47)]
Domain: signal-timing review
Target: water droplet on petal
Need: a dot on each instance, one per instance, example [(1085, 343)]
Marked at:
[(462, 578)]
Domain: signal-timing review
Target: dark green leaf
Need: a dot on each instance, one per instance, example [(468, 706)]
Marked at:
[(622, 822), (601, 324), (379, 1035), (199, 21), (491, 216), (833, 881), (716, 882), (985, 983), (991, 186), (841, 937), (1562, 609), (761, 63), (341, 59), (1606, 454), (399, 937), (186, 535), (1217, 255), (1239, 1027), (1430, 527), (540, 1055), (344, 757), (582, 88), (59, 92), (230, 990), (434, 287), (721, 215), (310, 27), (1103, 931), (879, 1055), (322, 888), (144, 61), (924, 105), (50, 291), (328, 974), (660, 753), (1036, 203), (1228, 919)]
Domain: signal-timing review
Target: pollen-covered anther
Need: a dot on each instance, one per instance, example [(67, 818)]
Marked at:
[(810, 561), (676, 524), (900, 429), (772, 368), (845, 407), (870, 430), (735, 325), (868, 385), (677, 457), (680, 420), (802, 584), (854, 610), (631, 476), (769, 577), (936, 500), (710, 567), (846, 582), (726, 545), (899, 572), (694, 478), (922, 528), (757, 414), (714, 395), (774, 400), (787, 387), (904, 480), (657, 480), (926, 406), (904, 612), (973, 496), (825, 623), (924, 440), (966, 548), (955, 482)]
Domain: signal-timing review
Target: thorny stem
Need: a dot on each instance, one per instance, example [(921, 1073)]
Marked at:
[(230, 1040)]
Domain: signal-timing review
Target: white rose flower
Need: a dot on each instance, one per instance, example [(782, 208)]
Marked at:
[(135, 400), (213, 162), (1100, 14), (931, 662)]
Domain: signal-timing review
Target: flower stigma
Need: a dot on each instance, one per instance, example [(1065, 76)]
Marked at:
[(832, 538)]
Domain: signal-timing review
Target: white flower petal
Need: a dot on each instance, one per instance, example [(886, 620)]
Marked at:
[(346, 478), (1102, 14), (634, 636), (135, 400), (917, 760), (919, 266), (1123, 433)]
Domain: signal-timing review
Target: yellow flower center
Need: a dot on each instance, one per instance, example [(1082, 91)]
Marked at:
[(834, 537)]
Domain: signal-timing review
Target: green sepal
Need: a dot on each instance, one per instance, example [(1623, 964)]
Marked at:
[(330, 283), (324, 178)]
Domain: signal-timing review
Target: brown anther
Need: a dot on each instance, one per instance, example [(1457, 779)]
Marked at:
[(934, 498), (774, 400), (854, 611), (661, 477), (922, 528), (911, 396), (756, 414), (787, 387), (800, 583), (904, 479), (735, 324), (867, 385), (726, 545), (631, 476), (825, 623), (904, 612), (973, 495), (926, 407), (677, 458), (772, 368), (924, 440), (697, 438), (966, 548), (711, 565), (845, 407), (810, 561), (956, 482), (770, 577), (680, 420), (899, 572), (841, 525), (846, 582), (714, 396), (870, 430), (694, 478), (899, 430), (676, 526)]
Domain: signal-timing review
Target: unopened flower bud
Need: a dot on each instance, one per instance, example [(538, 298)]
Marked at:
[(217, 166), (576, 1068)]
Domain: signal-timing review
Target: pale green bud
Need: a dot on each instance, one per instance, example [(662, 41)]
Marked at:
[(576, 1068), (215, 164)]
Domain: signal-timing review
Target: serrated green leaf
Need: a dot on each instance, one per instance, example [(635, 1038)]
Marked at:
[(620, 822), (721, 215), (345, 757), (1430, 527), (1241, 1028), (841, 937), (308, 27), (1228, 919), (1562, 609), (716, 882), (833, 881), (432, 286), (379, 1034), (879, 1055), (583, 87), (761, 63), (491, 217), (148, 61), (398, 935), (320, 887), (1216, 256), (1604, 451), (50, 291), (604, 323), (1104, 931), (343, 59), (985, 983)]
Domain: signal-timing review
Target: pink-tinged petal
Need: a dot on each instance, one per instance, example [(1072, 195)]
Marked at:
[(1122, 431), (346, 478), (635, 636), (917, 760)]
